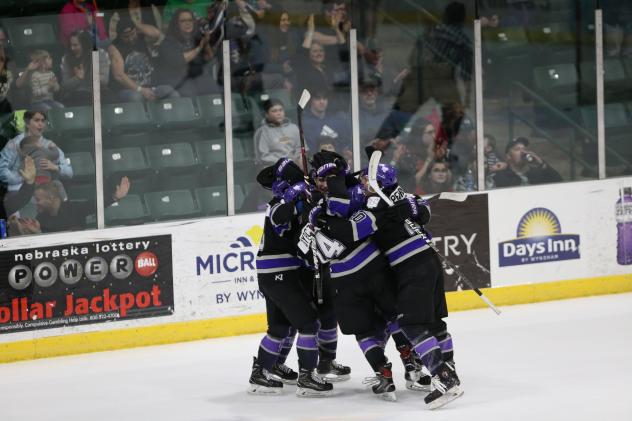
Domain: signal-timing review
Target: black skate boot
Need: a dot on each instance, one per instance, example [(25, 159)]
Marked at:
[(309, 384), (416, 379), (261, 382), (331, 371), (284, 374), (382, 384), (446, 387)]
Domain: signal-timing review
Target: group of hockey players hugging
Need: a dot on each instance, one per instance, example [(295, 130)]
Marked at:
[(379, 278)]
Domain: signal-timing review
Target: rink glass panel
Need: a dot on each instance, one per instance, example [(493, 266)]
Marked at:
[(540, 82), (617, 50), (168, 138), (417, 90), (276, 64), (71, 128)]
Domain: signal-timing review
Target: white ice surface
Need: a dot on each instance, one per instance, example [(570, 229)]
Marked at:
[(564, 360)]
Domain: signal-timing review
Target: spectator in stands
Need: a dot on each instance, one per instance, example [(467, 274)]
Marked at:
[(145, 15), (493, 163), (277, 137), (132, 66), (318, 122), (13, 201), (388, 78), (11, 156), (54, 214), (375, 114), (184, 55), (524, 167), (452, 57), (40, 81), (248, 54), (283, 40), (6, 79), (437, 179), (618, 27), (76, 70), (313, 70), (81, 14), (32, 147)]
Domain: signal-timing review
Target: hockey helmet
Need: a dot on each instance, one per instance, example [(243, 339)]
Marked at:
[(386, 175), (326, 163)]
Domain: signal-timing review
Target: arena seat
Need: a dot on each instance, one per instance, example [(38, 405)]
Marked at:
[(174, 113), (72, 121), (212, 200), (171, 204), (176, 165), (130, 162), (82, 165), (125, 117), (128, 210)]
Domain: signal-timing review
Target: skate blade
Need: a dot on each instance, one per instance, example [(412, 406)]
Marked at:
[(284, 381), (416, 387), (256, 389), (448, 397), (388, 396), (309, 393), (334, 378)]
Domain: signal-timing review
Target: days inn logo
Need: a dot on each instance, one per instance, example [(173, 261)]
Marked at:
[(539, 239), (240, 259)]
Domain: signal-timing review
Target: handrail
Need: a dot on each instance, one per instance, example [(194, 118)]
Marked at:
[(569, 121)]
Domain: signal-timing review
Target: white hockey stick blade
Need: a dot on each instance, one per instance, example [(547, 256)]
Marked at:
[(305, 97), (457, 197), (373, 168)]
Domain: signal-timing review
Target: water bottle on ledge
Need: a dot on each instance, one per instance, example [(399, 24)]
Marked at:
[(623, 215)]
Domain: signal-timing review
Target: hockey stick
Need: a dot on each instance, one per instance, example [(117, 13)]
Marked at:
[(372, 173), (302, 102)]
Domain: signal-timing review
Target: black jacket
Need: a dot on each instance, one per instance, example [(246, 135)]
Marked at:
[(535, 175)]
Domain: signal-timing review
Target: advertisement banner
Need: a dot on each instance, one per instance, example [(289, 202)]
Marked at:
[(561, 232), (73, 284), (460, 230), (225, 269)]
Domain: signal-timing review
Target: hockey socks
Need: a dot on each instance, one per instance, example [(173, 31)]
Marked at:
[(269, 350), (307, 350), (445, 343), (286, 346), (327, 343), (373, 352)]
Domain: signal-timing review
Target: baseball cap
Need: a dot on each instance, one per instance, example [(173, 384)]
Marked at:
[(519, 140)]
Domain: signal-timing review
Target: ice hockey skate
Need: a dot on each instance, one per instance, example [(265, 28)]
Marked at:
[(310, 385), (446, 387), (331, 371), (416, 379), (382, 384), (284, 374), (261, 382)]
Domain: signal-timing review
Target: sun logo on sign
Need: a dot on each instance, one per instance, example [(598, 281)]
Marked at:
[(538, 222)]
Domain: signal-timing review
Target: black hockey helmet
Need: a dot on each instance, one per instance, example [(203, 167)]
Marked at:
[(326, 162)]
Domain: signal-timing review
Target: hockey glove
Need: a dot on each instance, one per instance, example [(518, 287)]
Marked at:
[(296, 192), (316, 217)]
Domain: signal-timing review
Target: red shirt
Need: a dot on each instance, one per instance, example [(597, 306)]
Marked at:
[(72, 18)]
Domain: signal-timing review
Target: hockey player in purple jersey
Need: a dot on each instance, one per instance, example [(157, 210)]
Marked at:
[(279, 271), (420, 288), (363, 300)]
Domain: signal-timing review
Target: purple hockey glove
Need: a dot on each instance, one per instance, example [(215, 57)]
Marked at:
[(296, 191)]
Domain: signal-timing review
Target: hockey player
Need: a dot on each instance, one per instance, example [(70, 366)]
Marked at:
[(359, 275), (279, 269), (420, 296)]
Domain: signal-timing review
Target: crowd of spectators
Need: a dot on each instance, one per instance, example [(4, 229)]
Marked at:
[(151, 50)]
